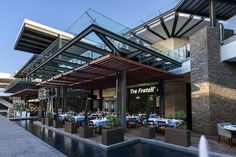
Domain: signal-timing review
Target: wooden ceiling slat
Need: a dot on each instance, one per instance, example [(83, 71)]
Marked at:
[(108, 66)]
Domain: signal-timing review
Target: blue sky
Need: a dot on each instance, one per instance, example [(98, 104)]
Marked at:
[(60, 14)]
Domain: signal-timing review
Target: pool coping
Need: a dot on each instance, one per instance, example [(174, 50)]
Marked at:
[(129, 141)]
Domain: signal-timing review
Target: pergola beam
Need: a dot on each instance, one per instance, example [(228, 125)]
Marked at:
[(164, 27), (155, 33), (135, 45), (68, 45), (195, 25), (184, 25)]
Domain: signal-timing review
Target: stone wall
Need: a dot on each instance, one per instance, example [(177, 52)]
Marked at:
[(213, 82), (172, 43), (175, 96)]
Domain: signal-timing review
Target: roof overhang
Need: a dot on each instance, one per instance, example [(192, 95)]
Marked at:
[(184, 20), (29, 93), (35, 38), (5, 82), (20, 85), (225, 9), (171, 24), (102, 73)]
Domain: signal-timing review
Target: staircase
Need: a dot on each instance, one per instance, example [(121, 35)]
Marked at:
[(5, 103)]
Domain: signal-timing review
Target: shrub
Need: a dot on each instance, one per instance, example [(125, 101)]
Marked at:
[(69, 117), (180, 115), (113, 121), (49, 114)]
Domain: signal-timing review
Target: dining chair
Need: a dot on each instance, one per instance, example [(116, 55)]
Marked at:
[(222, 132)]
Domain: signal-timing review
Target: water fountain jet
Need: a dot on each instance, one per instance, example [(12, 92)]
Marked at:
[(203, 147)]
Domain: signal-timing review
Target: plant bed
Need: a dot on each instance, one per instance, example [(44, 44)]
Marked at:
[(112, 136), (57, 123), (71, 127), (48, 121), (178, 136), (147, 132), (85, 132)]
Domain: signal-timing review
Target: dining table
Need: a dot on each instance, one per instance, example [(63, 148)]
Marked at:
[(135, 118), (230, 128), (79, 118), (99, 122)]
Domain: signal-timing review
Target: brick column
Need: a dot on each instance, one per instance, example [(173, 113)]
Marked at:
[(213, 83)]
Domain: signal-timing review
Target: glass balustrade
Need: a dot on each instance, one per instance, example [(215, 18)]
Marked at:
[(230, 24), (93, 17)]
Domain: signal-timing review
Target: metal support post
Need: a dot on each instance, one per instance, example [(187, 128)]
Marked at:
[(212, 13)]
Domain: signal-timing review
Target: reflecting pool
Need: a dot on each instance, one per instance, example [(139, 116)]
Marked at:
[(74, 148)]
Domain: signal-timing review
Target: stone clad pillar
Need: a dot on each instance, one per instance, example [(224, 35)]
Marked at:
[(121, 100), (213, 83)]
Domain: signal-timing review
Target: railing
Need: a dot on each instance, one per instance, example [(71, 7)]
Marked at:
[(180, 54), (45, 54), (230, 25)]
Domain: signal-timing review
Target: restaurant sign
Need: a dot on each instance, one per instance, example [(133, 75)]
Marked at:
[(142, 90)]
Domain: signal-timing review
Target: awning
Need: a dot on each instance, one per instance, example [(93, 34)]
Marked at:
[(30, 93), (102, 73)]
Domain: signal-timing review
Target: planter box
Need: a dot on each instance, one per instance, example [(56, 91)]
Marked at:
[(112, 136), (23, 114), (43, 120), (178, 137), (39, 115), (57, 124), (48, 121), (71, 127), (148, 132), (85, 132)]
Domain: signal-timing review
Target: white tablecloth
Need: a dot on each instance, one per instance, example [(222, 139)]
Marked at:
[(230, 127), (169, 122), (79, 118), (99, 122), (137, 118), (63, 116)]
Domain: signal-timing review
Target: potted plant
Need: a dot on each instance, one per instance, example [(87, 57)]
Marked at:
[(112, 133), (178, 134), (86, 131), (70, 126), (148, 131), (49, 118)]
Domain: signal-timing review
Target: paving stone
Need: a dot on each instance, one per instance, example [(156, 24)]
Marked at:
[(17, 142)]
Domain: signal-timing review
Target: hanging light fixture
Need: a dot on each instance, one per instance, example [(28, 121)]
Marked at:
[(138, 97)]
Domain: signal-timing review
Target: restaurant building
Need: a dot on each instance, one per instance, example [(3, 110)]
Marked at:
[(180, 60)]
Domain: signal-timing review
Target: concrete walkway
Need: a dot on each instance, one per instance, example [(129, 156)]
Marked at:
[(17, 142)]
